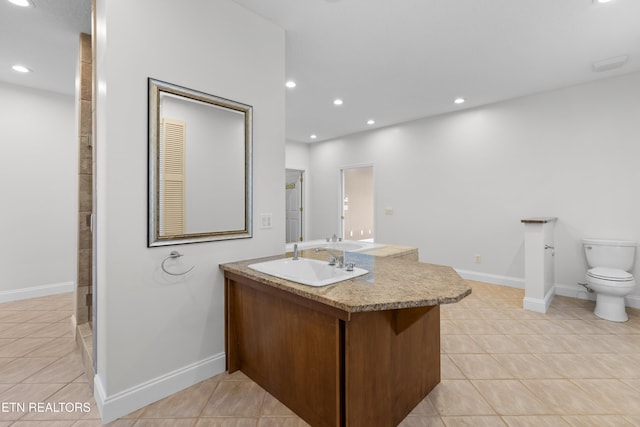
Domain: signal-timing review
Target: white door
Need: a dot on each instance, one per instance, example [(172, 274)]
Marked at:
[(293, 197), (357, 203)]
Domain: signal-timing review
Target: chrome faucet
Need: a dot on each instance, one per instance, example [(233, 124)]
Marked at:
[(295, 252), (334, 259)]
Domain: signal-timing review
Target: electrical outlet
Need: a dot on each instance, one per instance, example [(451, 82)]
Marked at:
[(477, 259)]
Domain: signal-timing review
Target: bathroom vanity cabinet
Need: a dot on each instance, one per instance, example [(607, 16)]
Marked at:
[(360, 352)]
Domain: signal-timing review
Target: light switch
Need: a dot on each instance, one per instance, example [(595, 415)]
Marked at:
[(265, 220), (388, 211)]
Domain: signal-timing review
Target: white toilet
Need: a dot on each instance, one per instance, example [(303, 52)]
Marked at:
[(609, 264)]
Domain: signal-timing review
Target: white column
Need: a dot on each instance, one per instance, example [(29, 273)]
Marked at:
[(539, 251)]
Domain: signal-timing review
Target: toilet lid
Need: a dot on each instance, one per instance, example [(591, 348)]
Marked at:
[(610, 274)]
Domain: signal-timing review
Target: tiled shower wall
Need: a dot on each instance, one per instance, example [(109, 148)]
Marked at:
[(85, 184)]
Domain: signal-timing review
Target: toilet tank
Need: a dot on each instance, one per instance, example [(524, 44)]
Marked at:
[(610, 253)]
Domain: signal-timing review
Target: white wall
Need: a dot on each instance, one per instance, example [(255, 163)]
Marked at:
[(460, 183), (38, 176), (156, 334)]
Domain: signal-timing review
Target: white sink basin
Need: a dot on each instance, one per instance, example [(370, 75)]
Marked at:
[(307, 271)]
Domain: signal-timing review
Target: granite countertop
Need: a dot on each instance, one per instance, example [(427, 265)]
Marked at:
[(392, 283)]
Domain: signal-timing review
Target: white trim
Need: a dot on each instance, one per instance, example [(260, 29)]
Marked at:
[(574, 291), (577, 291), (36, 291), (539, 305), (513, 282), (632, 301), (124, 402)]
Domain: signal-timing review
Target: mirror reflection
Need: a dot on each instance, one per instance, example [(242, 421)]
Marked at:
[(200, 166)]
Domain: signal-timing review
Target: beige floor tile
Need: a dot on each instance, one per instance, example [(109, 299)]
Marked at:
[(449, 327), (273, 407), (586, 344), (579, 326), (535, 421), (424, 408), (633, 419), (22, 346), (549, 353), (501, 343), (563, 397), (496, 313), (635, 383), (605, 327), (548, 327), (53, 330), (546, 343), (614, 395), (186, 403), (513, 327), (71, 402), (510, 397), (622, 343), (480, 366), (63, 370), (476, 326), (448, 370), (227, 422), (458, 397), (459, 344), (19, 369), (526, 366), (52, 423), (578, 365), (19, 330), (167, 422), (281, 422), (474, 421), (24, 395), (235, 399), (54, 347), (422, 421), (597, 421)]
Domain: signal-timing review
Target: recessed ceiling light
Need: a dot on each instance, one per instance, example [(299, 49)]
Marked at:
[(602, 1), (459, 100), (21, 69), (314, 136), (290, 84), (21, 3), (337, 101), (371, 122)]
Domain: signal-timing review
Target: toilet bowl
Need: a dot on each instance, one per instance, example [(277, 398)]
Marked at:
[(608, 276)]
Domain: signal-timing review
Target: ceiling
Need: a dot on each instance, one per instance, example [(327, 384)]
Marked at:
[(45, 39), (388, 60)]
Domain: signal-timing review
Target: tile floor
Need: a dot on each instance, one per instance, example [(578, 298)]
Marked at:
[(501, 366)]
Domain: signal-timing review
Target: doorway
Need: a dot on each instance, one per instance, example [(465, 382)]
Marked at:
[(295, 210), (357, 202)]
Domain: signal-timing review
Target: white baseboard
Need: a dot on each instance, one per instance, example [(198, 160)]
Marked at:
[(537, 304), (577, 291), (513, 282), (574, 291), (124, 402), (36, 291)]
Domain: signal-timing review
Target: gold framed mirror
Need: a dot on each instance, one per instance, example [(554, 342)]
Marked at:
[(200, 166)]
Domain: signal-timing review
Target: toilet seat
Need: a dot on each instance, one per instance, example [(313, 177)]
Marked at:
[(610, 274)]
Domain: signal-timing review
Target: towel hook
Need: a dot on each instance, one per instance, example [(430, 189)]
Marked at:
[(174, 255)]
